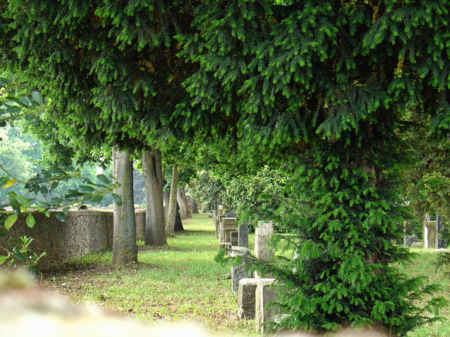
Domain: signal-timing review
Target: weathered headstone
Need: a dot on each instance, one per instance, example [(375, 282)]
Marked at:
[(263, 233), (429, 234), (238, 272), (234, 238), (243, 235), (408, 240), (246, 297), (228, 225), (263, 251), (265, 293)]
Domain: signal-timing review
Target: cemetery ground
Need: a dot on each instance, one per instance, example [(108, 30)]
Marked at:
[(181, 282)]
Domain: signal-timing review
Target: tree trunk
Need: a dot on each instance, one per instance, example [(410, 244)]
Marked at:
[(153, 182), (124, 241), (178, 222), (166, 195), (181, 198), (194, 207), (173, 201)]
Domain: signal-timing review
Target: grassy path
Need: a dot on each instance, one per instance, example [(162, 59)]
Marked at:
[(177, 282)]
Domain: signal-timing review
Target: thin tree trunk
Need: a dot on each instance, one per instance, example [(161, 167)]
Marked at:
[(153, 182), (124, 239), (194, 207), (181, 198), (166, 195), (173, 201)]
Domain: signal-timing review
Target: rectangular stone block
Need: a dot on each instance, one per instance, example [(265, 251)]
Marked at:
[(265, 293), (234, 238), (243, 235), (246, 297)]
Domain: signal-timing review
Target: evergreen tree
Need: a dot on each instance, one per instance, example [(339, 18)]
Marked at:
[(325, 85)]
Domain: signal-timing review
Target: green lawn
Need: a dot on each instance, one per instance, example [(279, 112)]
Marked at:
[(181, 282)]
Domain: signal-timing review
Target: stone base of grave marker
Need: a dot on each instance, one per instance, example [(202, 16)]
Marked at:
[(246, 298), (225, 245), (265, 293)]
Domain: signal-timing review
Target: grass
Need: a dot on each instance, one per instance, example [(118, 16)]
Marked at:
[(177, 282), (181, 282)]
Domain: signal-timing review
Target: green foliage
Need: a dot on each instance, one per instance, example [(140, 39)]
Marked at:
[(206, 190), (246, 190), (21, 253)]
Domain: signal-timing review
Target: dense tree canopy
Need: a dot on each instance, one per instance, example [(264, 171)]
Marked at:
[(321, 88)]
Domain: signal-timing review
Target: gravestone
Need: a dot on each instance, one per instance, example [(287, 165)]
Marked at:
[(408, 240), (238, 272), (429, 234), (263, 233), (243, 235), (265, 293), (234, 238), (228, 226), (246, 297)]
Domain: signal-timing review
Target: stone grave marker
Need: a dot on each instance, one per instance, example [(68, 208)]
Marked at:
[(238, 272), (263, 233), (265, 293), (408, 240), (228, 226), (246, 297), (234, 238), (243, 235)]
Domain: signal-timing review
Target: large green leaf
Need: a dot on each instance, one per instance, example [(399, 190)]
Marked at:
[(30, 221), (103, 179), (10, 221), (37, 97), (24, 202), (3, 259), (60, 216), (86, 189), (117, 199)]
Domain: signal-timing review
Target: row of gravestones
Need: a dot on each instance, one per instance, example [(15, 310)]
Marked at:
[(254, 294)]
